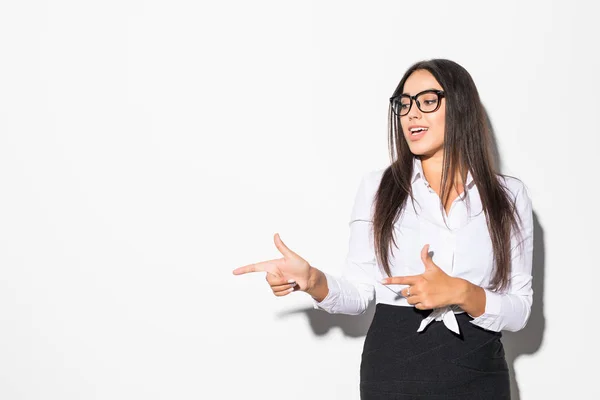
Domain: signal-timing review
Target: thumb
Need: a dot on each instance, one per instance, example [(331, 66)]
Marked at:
[(283, 249), (426, 258)]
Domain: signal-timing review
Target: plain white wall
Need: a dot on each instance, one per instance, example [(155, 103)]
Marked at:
[(147, 148)]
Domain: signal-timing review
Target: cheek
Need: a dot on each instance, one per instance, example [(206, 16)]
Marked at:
[(438, 123), (441, 121), (437, 119)]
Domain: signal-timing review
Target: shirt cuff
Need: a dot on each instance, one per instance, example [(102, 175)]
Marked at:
[(332, 296), (490, 319)]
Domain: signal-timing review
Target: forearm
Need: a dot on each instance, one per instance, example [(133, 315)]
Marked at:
[(494, 311), (338, 295), (508, 310)]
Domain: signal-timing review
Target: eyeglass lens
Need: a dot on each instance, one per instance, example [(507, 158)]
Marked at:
[(427, 102)]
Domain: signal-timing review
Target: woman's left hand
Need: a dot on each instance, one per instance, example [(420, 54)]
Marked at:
[(432, 289)]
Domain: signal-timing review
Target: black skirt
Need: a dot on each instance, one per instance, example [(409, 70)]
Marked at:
[(399, 363)]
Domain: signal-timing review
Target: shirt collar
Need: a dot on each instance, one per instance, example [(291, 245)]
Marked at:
[(417, 170), (418, 173)]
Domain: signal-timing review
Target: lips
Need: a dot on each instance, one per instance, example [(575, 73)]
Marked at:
[(416, 132)]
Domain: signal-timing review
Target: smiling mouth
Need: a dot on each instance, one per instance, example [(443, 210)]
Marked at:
[(416, 131)]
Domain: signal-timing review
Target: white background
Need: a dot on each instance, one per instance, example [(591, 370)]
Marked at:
[(148, 148)]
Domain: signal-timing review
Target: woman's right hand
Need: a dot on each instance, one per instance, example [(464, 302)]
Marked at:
[(284, 275)]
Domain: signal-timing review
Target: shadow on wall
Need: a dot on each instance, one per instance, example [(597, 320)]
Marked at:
[(526, 341), (351, 325), (529, 339)]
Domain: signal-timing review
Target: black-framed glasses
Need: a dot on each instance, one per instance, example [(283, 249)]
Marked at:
[(428, 101)]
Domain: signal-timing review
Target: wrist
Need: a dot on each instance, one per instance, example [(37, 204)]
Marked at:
[(316, 285), (313, 279), (470, 298), (462, 292)]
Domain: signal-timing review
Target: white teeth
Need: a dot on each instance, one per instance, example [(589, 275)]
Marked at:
[(417, 130)]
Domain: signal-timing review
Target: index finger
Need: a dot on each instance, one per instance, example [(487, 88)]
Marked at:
[(402, 280), (265, 266)]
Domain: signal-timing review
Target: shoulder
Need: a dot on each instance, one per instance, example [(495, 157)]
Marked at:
[(365, 195), (372, 179), (514, 185), (518, 191)]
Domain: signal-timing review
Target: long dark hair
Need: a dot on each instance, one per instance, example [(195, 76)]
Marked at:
[(467, 147)]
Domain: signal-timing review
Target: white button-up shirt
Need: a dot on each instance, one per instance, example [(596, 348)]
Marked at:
[(461, 247)]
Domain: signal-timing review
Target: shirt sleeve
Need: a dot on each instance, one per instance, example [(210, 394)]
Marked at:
[(510, 310), (352, 292)]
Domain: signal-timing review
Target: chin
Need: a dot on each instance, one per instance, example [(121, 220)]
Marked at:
[(424, 149), (419, 150)]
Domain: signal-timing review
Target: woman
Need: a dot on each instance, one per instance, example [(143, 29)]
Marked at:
[(438, 235)]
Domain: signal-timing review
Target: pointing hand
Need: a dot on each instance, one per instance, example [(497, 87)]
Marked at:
[(284, 275)]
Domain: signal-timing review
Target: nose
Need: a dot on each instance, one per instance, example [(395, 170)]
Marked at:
[(414, 111)]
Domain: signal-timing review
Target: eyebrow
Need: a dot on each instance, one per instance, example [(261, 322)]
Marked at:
[(420, 91)]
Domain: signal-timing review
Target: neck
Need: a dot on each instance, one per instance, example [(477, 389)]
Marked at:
[(433, 167)]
